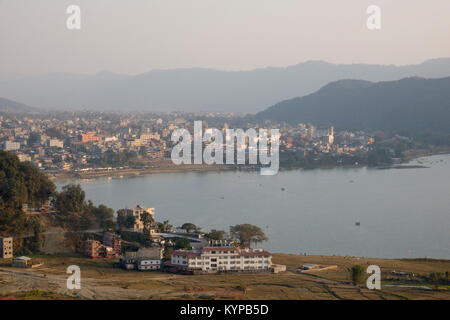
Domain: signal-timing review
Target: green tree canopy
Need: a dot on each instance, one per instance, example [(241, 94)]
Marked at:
[(105, 216), (164, 226), (216, 235), (129, 221), (189, 227), (147, 221), (22, 183), (182, 243), (71, 199), (358, 274), (247, 234)]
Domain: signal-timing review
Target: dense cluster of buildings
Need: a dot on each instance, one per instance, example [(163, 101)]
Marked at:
[(306, 138), (67, 142), (108, 141)]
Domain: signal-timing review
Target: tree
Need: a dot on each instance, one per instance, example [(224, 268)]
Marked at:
[(143, 151), (121, 219), (164, 226), (33, 244), (167, 255), (130, 221), (182, 243), (436, 279), (247, 234), (147, 221), (71, 199), (79, 214), (216, 235), (21, 183), (105, 216), (358, 274), (189, 227)]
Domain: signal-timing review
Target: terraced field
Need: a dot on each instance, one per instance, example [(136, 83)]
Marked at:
[(99, 280)]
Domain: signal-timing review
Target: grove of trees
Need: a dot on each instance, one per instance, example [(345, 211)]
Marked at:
[(22, 184)]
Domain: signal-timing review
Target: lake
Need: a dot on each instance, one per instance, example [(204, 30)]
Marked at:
[(402, 212)]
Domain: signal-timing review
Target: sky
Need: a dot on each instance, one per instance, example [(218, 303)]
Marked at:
[(136, 36)]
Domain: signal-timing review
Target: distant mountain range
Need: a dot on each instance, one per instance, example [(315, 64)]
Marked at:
[(14, 106), (198, 89), (410, 105)]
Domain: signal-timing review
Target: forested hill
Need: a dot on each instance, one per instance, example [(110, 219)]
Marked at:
[(22, 183), (409, 105)]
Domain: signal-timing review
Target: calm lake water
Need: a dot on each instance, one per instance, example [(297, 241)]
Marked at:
[(402, 212)]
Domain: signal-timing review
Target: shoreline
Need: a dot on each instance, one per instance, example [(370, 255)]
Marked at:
[(168, 167)]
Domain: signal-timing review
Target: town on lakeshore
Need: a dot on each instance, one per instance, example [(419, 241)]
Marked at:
[(89, 144)]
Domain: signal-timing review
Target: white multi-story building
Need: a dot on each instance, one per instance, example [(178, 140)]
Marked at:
[(11, 145), (148, 264), (137, 213), (56, 143), (146, 137), (226, 258)]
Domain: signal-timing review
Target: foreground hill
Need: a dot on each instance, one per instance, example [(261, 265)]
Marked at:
[(7, 105), (411, 104), (198, 89)]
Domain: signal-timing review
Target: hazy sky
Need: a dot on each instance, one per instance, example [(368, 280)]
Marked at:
[(135, 36)]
